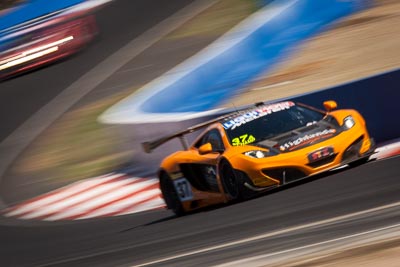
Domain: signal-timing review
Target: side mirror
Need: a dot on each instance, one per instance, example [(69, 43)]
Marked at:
[(205, 149), (330, 105)]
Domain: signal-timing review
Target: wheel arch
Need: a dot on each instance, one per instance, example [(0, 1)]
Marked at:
[(169, 193)]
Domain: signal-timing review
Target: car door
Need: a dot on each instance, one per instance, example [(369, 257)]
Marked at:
[(203, 169)]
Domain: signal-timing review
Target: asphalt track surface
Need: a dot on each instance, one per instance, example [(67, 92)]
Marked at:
[(156, 235), (206, 238)]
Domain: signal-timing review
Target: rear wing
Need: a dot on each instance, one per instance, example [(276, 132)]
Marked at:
[(148, 147)]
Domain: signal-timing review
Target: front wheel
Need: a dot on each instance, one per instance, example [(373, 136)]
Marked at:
[(231, 181), (170, 195)]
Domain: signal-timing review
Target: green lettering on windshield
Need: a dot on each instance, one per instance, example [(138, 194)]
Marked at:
[(243, 140)]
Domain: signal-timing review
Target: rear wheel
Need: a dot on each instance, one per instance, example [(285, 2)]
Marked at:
[(170, 195)]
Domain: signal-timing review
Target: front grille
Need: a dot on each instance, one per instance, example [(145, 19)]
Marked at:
[(284, 175), (322, 161)]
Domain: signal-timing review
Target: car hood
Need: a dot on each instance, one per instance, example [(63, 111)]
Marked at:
[(302, 137)]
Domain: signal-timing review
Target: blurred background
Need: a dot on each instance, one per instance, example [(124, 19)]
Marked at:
[(76, 145), (64, 65)]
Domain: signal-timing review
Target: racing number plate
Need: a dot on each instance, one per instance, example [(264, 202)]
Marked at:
[(183, 189), (320, 154)]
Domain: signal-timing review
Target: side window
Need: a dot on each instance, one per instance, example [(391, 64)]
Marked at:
[(213, 137)]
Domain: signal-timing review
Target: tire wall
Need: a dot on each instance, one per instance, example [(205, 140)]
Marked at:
[(377, 98)]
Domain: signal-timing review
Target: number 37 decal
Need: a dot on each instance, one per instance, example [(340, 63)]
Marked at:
[(243, 140), (183, 189)]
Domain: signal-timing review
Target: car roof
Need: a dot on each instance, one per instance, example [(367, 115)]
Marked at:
[(253, 112)]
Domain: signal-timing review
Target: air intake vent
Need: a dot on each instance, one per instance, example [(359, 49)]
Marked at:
[(322, 161), (284, 175)]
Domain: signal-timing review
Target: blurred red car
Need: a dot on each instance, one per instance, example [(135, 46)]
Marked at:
[(44, 40)]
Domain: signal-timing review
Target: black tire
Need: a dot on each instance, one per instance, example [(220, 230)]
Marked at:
[(231, 180), (170, 195)]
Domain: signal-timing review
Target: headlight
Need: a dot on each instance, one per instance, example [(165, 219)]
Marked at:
[(349, 122), (258, 154)]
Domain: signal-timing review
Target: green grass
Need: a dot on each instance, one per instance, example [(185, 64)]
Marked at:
[(77, 146), (217, 20)]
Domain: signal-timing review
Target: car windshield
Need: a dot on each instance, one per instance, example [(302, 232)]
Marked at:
[(266, 122)]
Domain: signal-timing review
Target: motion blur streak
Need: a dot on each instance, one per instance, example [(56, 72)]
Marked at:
[(281, 232), (28, 58), (108, 195), (386, 151), (263, 259), (222, 69), (59, 195), (34, 53), (32, 42), (112, 194), (69, 38)]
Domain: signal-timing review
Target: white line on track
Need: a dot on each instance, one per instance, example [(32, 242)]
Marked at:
[(276, 233), (15, 143), (108, 195), (247, 261), (130, 194), (125, 206), (68, 206), (58, 195)]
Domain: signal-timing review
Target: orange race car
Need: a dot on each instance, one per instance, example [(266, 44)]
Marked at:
[(259, 148)]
